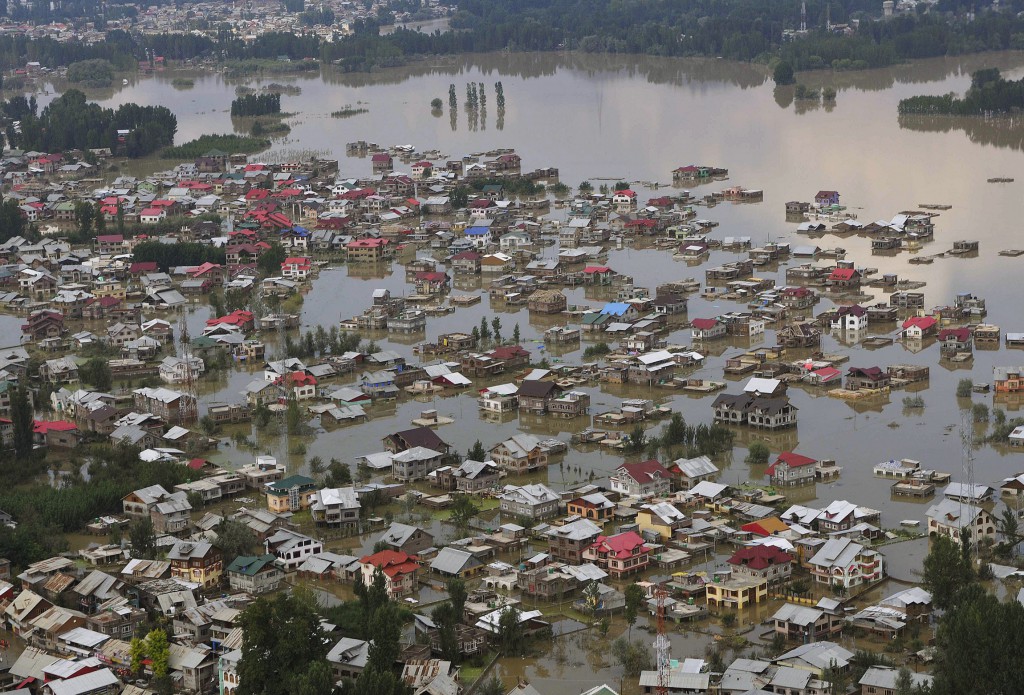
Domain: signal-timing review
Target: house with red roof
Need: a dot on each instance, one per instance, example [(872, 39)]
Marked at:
[(400, 571), (368, 250), (644, 479), (512, 355), (381, 162), (55, 434), (707, 329), (296, 268), (422, 169), (302, 385), (954, 340), (762, 562), (619, 555), (109, 243), (843, 278), (850, 318), (624, 200), (826, 198), (920, 327), (792, 469), (768, 526), (214, 272), (858, 378), (242, 319)]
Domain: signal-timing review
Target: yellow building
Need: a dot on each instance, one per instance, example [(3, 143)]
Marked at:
[(292, 494), (109, 288), (737, 593), (662, 519)]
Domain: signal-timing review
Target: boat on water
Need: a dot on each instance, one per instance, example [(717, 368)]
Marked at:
[(124, 82)]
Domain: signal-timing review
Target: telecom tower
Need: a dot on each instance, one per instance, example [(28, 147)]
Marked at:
[(803, 17), (967, 472), (662, 644), (189, 411)]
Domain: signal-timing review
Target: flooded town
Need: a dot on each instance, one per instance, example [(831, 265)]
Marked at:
[(504, 373)]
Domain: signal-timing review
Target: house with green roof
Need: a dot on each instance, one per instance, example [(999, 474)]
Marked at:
[(254, 574), (292, 494)]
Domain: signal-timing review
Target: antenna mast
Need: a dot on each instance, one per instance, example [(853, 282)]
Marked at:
[(661, 643), (803, 17), (967, 472), (189, 411)]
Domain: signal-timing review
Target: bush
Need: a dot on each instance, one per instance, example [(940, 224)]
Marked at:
[(758, 454), (963, 388), (783, 73), (913, 402)]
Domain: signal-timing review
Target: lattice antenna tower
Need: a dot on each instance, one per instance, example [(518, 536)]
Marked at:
[(662, 644), (190, 405), (967, 471)]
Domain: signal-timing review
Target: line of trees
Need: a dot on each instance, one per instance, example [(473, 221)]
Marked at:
[(171, 255), (256, 105), (989, 93)]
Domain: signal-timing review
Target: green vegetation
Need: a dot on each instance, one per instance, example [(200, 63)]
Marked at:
[(436, 104), (256, 105), (758, 454), (963, 388), (783, 73), (633, 657), (913, 402), (171, 255), (183, 83), (349, 111), (72, 122), (678, 438), (95, 72), (232, 144), (988, 94)]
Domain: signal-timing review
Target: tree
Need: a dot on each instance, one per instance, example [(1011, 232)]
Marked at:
[(494, 686), (516, 335), (496, 325), (783, 74), (634, 600), (477, 452), (462, 510), (637, 439), (137, 653), (511, 636), (1009, 526), (446, 619), (385, 631), (945, 571), (234, 539), (22, 419), (758, 454), (458, 594), (436, 104), (143, 539), (633, 657), (904, 682), (269, 262), (338, 474), (158, 650), (84, 214), (316, 465), (963, 388), (363, 472), (281, 641), (96, 371)]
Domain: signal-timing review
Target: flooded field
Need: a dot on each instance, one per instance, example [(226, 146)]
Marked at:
[(581, 114)]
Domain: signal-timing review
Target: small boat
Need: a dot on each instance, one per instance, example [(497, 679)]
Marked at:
[(124, 82), (910, 522)]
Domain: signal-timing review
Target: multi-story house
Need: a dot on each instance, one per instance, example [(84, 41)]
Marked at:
[(661, 521), (594, 506), (254, 575), (762, 562), (291, 494), (792, 469), (520, 453), (644, 479), (620, 554), (292, 548), (400, 571), (337, 507), (568, 542), (534, 501), (951, 518), (843, 563), (198, 562)]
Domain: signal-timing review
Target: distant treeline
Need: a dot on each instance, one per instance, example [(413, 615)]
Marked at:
[(736, 29), (989, 94), (256, 105), (72, 122)]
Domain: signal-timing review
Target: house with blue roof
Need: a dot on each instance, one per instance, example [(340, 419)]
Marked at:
[(480, 236), (623, 311)]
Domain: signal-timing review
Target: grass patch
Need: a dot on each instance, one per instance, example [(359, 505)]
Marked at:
[(232, 144), (183, 83)]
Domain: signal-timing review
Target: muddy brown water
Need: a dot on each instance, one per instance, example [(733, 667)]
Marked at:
[(601, 117)]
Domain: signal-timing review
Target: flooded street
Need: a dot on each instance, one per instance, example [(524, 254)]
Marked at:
[(604, 118)]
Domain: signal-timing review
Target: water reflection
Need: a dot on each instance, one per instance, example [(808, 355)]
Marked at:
[(1007, 132)]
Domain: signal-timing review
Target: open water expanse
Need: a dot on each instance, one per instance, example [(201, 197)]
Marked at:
[(597, 117)]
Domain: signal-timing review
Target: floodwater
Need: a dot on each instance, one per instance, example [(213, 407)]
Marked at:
[(610, 118)]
